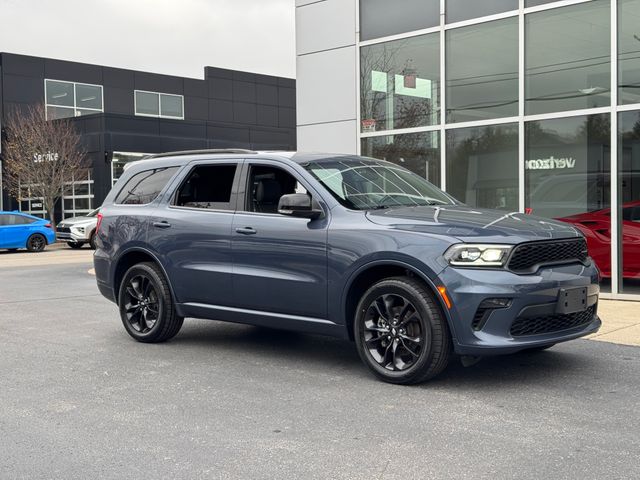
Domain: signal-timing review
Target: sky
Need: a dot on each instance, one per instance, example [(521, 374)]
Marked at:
[(175, 37)]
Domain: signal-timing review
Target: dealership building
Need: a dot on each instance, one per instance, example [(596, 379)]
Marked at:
[(121, 115), (523, 105)]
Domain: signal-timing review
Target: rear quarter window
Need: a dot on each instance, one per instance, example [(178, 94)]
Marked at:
[(144, 187)]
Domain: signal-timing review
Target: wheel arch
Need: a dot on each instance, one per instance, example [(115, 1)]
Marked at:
[(368, 274), (130, 258)]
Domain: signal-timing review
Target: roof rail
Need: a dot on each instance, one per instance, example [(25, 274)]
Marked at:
[(199, 152)]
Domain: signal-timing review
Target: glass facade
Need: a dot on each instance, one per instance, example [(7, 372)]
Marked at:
[(482, 71), (164, 105), (400, 83), (482, 166), (540, 111)]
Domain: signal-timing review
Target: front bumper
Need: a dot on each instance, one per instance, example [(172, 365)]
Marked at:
[(530, 320), (72, 234)]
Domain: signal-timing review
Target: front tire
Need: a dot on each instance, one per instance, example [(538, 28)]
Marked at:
[(75, 245), (92, 240), (146, 307), (36, 243), (401, 333)]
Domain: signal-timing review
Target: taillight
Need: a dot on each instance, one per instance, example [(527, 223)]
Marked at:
[(48, 225), (99, 222)]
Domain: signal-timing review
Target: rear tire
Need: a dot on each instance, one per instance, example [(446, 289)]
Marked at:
[(146, 307), (92, 240), (36, 243), (75, 245), (401, 333)]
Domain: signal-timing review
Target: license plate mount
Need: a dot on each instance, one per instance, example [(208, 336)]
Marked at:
[(572, 300)]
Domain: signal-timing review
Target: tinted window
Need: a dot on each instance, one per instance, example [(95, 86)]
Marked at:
[(266, 186), (379, 18), (628, 46), (145, 186), (458, 10), (419, 152), (567, 58), (482, 71), (207, 186), (15, 220), (482, 166), (400, 82)]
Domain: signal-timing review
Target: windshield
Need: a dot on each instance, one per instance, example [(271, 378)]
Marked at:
[(367, 184)]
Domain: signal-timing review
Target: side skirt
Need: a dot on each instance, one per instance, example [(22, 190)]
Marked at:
[(264, 319)]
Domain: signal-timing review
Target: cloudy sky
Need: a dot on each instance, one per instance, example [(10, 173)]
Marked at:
[(177, 37)]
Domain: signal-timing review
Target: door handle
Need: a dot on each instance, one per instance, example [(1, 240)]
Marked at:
[(246, 230), (162, 224)]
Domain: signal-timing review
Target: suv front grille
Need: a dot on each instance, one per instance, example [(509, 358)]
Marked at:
[(526, 258), (523, 326), (64, 230)]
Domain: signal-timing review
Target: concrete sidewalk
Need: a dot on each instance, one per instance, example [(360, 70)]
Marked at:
[(620, 322), (620, 319)]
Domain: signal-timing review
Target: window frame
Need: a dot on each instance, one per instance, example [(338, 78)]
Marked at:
[(160, 193), (75, 107), (183, 176), (244, 188), (159, 115)]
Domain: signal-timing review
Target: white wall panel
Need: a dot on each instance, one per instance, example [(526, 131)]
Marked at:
[(325, 25), (337, 137), (326, 86)]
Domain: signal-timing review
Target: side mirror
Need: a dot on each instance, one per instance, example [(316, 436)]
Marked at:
[(299, 205)]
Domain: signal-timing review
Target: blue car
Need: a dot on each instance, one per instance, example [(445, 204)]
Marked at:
[(19, 230), (341, 245)]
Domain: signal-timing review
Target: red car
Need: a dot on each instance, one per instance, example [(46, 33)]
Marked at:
[(596, 226)]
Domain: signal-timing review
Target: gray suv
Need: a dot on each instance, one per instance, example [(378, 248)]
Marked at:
[(341, 245)]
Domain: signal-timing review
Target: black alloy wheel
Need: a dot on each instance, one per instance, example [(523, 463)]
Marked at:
[(392, 332), (36, 243), (400, 331), (146, 306)]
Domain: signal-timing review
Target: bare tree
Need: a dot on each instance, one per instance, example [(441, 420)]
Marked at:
[(41, 157)]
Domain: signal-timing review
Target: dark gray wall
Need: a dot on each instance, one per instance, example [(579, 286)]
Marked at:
[(226, 109)]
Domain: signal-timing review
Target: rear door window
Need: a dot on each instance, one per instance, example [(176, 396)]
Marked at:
[(144, 187), (209, 187)]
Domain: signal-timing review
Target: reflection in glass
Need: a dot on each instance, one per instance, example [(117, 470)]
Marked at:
[(88, 96), (400, 83), (629, 201), (458, 10), (567, 177), (533, 3), (59, 93), (379, 18), (567, 58), (147, 103), (482, 71), (628, 51), (171, 105), (482, 166), (54, 113), (418, 152)]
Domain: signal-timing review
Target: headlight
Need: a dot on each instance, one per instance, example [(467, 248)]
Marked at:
[(472, 255)]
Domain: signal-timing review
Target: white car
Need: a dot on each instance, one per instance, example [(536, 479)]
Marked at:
[(77, 231)]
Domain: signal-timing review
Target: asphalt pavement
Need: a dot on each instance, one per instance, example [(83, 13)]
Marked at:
[(80, 399)]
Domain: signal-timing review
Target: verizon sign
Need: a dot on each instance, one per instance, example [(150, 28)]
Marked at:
[(550, 163)]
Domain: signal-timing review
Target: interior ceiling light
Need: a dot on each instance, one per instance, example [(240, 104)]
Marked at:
[(60, 95), (590, 90)]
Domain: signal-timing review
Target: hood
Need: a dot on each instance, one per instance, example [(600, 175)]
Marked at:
[(473, 224), (77, 220)]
